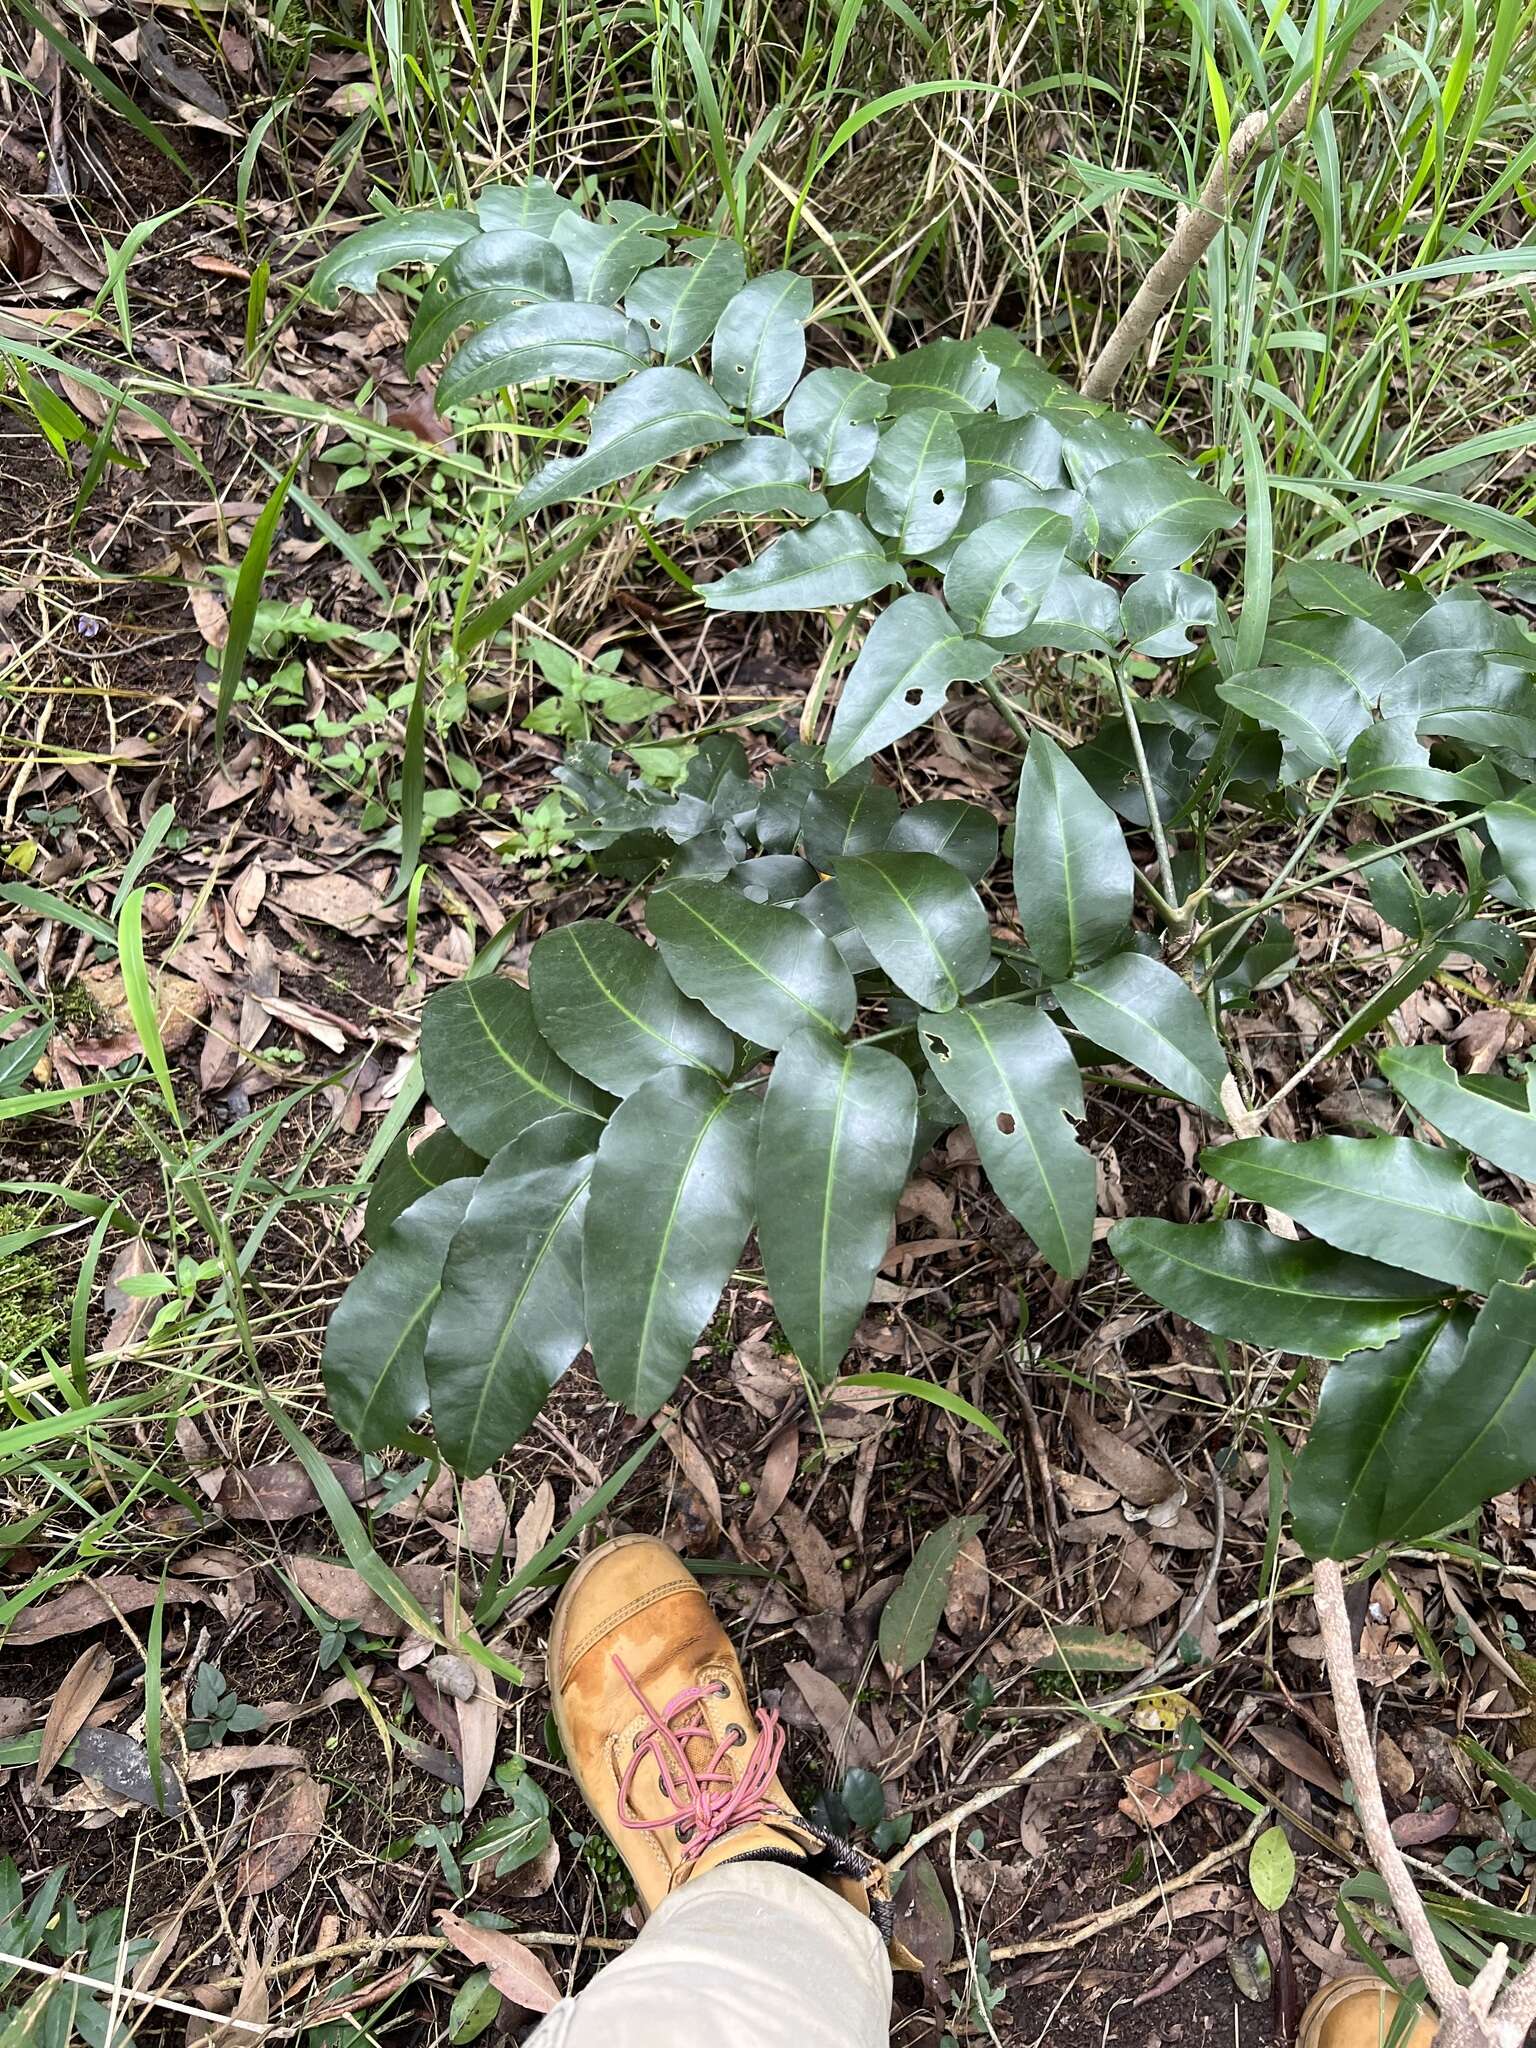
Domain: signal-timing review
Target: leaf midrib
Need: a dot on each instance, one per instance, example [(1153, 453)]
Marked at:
[(716, 1109)]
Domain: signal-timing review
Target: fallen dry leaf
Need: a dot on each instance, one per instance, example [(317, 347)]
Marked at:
[(120, 1764), (88, 1604), (1298, 1755), (696, 1469), (813, 1557), (849, 1739), (776, 1478), (476, 1716), (1135, 1477), (285, 1828), (341, 901), (279, 1491), (1413, 1830), (83, 1685), (179, 1006), (515, 1970), (535, 1526), (338, 1591), (970, 1586), (1145, 1803), (226, 1757)]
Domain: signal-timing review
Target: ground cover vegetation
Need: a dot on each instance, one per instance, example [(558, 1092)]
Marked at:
[(772, 774)]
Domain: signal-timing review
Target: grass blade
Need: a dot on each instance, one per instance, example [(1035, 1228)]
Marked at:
[(242, 612)]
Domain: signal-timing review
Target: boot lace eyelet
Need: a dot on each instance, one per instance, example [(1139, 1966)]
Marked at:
[(722, 1692), (736, 1732), (684, 1831)]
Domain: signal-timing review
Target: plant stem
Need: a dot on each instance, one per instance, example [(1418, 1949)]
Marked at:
[(1006, 711), (1177, 916), (1349, 867), (1293, 861), (818, 692)]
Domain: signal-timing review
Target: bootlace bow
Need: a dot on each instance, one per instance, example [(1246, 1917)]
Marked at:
[(706, 1802)]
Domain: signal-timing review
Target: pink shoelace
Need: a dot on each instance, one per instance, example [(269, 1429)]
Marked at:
[(707, 1803)]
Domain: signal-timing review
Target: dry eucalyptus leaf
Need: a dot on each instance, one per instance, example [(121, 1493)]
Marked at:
[(1298, 1755), (83, 1685), (514, 1969), (849, 1739), (88, 1604), (814, 1560), (970, 1585), (696, 1469), (1135, 1477), (535, 1526), (338, 1591), (122, 1765), (286, 1827), (776, 1478)]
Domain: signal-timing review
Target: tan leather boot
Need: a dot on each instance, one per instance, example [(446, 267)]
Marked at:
[(653, 1715)]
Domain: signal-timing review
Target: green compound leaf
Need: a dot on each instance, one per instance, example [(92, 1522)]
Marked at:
[(1494, 1129), (764, 971), (354, 265), (923, 922), (510, 1316), (1239, 1281), (836, 1135), (488, 1070), (374, 1347), (760, 474), (830, 418), (1001, 573), (586, 344), (657, 414), (1391, 1199), (1012, 1076), (678, 304), (911, 655), (484, 277), (758, 350), (404, 1174), (1072, 874), (608, 1006), (1141, 1011), (1152, 515), (916, 490), (835, 561), (670, 1209), (909, 1620)]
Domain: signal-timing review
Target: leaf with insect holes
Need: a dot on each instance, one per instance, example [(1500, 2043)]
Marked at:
[(1072, 874), (1141, 1011), (1153, 515), (670, 1209), (911, 655), (909, 1620), (835, 561), (1014, 1080), (376, 1342), (585, 344), (1026, 451), (923, 922), (1158, 610), (1495, 1127), (488, 1070), (423, 237), (999, 574), (1239, 1281), (404, 1173), (1272, 1869), (836, 1135), (955, 376), (751, 477), (1077, 615), (916, 489), (764, 971), (1384, 1198), (678, 303), (830, 418), (483, 278), (758, 349), (606, 1003), (509, 1318), (656, 414)]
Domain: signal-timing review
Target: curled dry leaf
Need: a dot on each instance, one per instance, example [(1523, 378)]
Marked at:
[(338, 1591), (535, 1526), (850, 1741), (226, 1757), (515, 1970), (341, 901), (970, 1585), (285, 1828), (1296, 1754), (696, 1469)]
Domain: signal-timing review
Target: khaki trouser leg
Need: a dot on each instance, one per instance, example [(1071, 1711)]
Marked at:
[(751, 1955)]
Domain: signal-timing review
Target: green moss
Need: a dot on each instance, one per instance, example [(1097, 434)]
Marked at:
[(77, 1011), (33, 1308)]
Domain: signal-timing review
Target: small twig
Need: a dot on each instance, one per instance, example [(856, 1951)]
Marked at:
[(1258, 136), (408, 1944), (1359, 1755), (120, 1992), (1076, 1932)]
